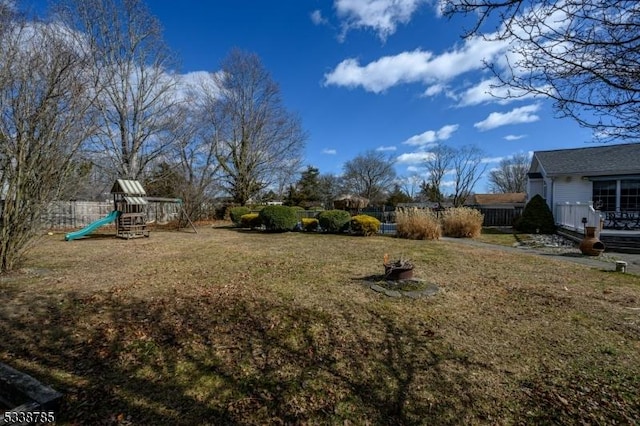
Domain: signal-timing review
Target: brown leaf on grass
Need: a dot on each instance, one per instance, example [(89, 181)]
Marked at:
[(264, 338)]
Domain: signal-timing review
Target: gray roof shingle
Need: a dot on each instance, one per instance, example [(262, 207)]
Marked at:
[(613, 159)]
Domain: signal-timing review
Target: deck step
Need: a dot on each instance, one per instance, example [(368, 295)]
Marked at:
[(614, 243)]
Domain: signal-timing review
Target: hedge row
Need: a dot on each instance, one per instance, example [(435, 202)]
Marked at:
[(461, 222), (284, 219)]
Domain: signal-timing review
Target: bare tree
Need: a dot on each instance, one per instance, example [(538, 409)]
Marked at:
[(7, 13), (285, 176), (511, 174), (330, 187), (44, 100), (583, 54), (256, 138), (438, 164), (370, 175), (131, 71), (411, 184), (468, 168), (196, 149)]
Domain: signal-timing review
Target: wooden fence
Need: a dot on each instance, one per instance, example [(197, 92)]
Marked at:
[(500, 216), (74, 214), (493, 216), (78, 214)]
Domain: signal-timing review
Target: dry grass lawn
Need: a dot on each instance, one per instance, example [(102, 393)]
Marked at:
[(232, 327)]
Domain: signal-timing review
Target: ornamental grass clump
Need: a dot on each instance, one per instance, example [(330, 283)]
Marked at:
[(418, 224), (365, 225), (462, 222)]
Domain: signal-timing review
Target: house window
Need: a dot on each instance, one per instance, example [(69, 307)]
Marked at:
[(630, 195), (604, 195)]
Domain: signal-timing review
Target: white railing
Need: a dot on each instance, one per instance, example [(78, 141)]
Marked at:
[(574, 215)]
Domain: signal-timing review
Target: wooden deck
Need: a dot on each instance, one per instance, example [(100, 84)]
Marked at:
[(616, 240)]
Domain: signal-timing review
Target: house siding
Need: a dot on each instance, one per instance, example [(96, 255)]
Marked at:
[(535, 188), (547, 191), (571, 189)]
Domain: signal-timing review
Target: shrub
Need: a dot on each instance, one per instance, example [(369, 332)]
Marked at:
[(309, 224), (278, 218), (235, 213), (418, 224), (250, 220), (462, 222), (334, 221), (366, 225), (536, 218)]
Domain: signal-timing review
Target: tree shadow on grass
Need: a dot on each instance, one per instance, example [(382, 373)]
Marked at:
[(221, 359)]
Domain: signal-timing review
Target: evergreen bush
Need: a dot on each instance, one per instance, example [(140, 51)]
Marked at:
[(235, 213), (279, 218), (366, 225), (334, 221), (536, 218), (250, 220), (309, 224)]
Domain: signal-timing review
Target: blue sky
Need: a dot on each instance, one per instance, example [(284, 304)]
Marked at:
[(369, 74)]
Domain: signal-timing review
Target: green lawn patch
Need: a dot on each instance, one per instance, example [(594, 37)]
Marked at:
[(502, 237)]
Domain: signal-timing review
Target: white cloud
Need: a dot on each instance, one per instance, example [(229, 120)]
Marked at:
[(388, 71), (417, 66), (445, 132), (329, 151), (383, 16), (514, 137), (414, 157), (317, 18), (480, 93), (491, 160), (432, 136), (492, 91), (523, 114), (434, 90), (193, 88), (386, 148), (199, 80)]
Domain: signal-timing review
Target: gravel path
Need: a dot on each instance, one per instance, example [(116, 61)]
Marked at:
[(558, 248)]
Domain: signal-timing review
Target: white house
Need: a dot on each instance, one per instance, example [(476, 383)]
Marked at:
[(591, 183)]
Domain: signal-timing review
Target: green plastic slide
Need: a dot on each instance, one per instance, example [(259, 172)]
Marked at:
[(92, 226)]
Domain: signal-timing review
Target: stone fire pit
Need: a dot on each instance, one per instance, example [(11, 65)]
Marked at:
[(398, 280)]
